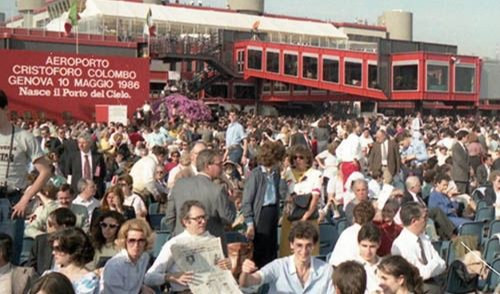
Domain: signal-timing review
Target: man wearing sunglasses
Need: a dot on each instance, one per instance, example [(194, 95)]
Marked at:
[(164, 269)]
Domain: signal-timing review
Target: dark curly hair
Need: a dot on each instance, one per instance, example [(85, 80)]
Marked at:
[(270, 153), (397, 266), (76, 243), (98, 240)]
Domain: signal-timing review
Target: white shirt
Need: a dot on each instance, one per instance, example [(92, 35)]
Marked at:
[(89, 204), (372, 284), (330, 162), (165, 262), (350, 149), (406, 245), (6, 278), (346, 247), (416, 124), (143, 172), (136, 202)]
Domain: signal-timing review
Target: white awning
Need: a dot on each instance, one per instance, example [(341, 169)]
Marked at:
[(207, 17)]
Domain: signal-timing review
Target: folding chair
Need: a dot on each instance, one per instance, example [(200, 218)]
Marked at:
[(493, 279), (161, 238), (485, 214), (153, 208), (494, 228), (491, 249), (472, 229), (327, 238), (155, 221), (341, 225)]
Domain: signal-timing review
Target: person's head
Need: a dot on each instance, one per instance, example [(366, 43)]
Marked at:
[(5, 248), (462, 136), (49, 191), (441, 182), (495, 180), (363, 212), (193, 217), (380, 136), (414, 217), (160, 153), (45, 132), (126, 182), (413, 184), (369, 241), (136, 237), (301, 157), (349, 278), (390, 209), (209, 162), (175, 156), (84, 142), (197, 148), (303, 237), (65, 195), (396, 274), (71, 246), (270, 153), (233, 115), (52, 282), (86, 188), (404, 140), (4, 102), (360, 189), (488, 160), (113, 198), (105, 229), (60, 218)]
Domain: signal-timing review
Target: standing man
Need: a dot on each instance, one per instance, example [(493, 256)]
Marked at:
[(86, 164), (261, 198), (220, 210), (349, 151), (235, 136), (18, 149), (384, 157), (461, 163), (417, 123)]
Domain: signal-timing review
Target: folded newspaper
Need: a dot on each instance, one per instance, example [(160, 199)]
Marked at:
[(201, 258)]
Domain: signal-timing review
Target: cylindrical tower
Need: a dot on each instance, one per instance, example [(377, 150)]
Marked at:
[(247, 6), (399, 24)]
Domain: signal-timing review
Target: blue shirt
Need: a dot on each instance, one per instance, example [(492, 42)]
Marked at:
[(417, 148), (281, 275), (270, 196), (450, 208), (235, 134)]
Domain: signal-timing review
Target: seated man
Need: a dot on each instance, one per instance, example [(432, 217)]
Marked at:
[(416, 247), (13, 279), (369, 241), (350, 278), (440, 199), (164, 269), (298, 273)]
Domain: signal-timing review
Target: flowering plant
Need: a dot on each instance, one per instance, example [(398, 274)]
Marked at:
[(179, 105)]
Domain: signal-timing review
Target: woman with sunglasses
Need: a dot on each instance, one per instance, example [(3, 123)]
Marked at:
[(302, 180), (113, 200), (103, 235), (72, 250)]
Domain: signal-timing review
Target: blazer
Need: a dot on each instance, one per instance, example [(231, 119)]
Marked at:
[(74, 168), (41, 254), (82, 216), (393, 158), (218, 208), (461, 163), (254, 191), (22, 279), (482, 174)]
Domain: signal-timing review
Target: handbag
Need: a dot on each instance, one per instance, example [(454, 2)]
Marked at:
[(300, 205)]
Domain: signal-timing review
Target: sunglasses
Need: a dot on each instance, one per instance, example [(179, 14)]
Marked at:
[(136, 241), (106, 225)]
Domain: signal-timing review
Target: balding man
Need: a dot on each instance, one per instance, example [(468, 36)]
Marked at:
[(384, 157), (193, 154)]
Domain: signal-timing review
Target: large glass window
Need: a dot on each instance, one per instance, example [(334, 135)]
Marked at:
[(330, 70), (291, 64), (464, 79), (240, 62), (255, 59), (310, 67), (405, 77), (353, 73), (273, 62), (372, 76), (437, 77)]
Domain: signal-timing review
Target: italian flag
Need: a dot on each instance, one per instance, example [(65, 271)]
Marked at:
[(73, 17), (149, 27)]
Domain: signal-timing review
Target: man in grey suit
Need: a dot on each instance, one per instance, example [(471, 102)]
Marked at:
[(461, 164), (384, 157), (220, 209), (483, 171)]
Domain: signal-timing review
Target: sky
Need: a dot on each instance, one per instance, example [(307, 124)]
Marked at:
[(472, 25)]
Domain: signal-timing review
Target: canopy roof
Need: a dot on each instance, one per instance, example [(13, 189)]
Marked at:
[(208, 17)]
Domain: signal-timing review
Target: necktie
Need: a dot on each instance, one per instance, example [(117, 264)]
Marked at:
[(86, 168), (422, 252)]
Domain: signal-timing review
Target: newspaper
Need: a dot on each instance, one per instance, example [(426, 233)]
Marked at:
[(201, 258)]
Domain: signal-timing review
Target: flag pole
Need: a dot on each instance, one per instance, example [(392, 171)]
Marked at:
[(77, 26)]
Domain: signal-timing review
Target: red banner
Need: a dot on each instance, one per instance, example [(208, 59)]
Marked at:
[(51, 83)]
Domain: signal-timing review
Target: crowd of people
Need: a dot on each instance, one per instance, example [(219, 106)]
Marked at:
[(82, 197)]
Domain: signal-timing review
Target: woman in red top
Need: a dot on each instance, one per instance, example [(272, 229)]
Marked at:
[(389, 230)]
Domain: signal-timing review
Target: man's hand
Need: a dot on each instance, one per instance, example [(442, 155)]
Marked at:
[(224, 263), (182, 278), (20, 208), (248, 267), (250, 233)]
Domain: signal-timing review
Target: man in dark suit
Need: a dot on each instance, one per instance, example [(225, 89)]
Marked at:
[(41, 258), (461, 163), (298, 137), (384, 157), (45, 139), (220, 210), (483, 171), (86, 164)]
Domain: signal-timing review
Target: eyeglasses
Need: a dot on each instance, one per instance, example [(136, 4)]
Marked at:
[(136, 241), (106, 225), (199, 218)]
